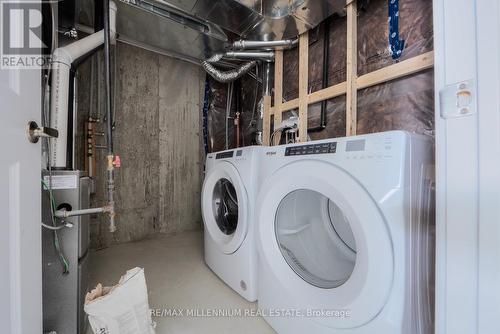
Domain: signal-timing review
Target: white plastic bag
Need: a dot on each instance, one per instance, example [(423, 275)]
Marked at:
[(121, 309)]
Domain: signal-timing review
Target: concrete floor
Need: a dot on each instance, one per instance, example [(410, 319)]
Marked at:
[(178, 278)]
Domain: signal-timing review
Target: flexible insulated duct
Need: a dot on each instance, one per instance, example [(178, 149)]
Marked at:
[(226, 76)]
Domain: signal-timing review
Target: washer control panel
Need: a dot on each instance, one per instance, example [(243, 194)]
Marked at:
[(224, 155), (322, 148)]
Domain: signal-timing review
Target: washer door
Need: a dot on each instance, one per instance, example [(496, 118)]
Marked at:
[(326, 242), (225, 207)]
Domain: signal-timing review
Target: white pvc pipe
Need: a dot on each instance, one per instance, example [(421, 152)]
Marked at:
[(59, 112), (61, 63)]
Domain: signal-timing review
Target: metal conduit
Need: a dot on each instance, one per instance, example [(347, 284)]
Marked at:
[(248, 45), (250, 55), (109, 120)]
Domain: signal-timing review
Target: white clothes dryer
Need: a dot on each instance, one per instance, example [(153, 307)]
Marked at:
[(345, 235)]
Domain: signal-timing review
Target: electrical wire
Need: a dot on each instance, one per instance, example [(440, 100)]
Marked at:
[(57, 243), (281, 130)]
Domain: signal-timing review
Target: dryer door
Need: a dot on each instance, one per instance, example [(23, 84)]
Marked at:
[(225, 207), (326, 242)]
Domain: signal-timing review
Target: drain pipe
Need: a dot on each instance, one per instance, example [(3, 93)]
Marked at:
[(62, 59), (109, 117), (251, 45)]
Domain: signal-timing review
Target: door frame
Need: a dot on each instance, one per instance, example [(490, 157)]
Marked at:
[(467, 49)]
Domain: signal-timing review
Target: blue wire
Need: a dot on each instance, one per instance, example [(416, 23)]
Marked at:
[(396, 45)]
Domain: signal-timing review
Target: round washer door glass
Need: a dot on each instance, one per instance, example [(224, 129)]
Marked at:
[(315, 238), (225, 206)]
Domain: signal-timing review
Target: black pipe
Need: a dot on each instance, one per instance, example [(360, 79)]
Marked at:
[(324, 83), (109, 106)]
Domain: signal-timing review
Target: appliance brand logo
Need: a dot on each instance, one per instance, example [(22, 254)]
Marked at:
[(21, 35), (271, 153)]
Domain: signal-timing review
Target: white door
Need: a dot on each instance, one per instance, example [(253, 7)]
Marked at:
[(20, 211), (467, 76)]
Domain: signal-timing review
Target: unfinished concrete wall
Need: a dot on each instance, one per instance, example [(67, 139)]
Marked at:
[(180, 102), (158, 102)]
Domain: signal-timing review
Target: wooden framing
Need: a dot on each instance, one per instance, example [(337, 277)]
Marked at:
[(349, 88), (303, 85), (398, 70), (278, 84), (352, 69)]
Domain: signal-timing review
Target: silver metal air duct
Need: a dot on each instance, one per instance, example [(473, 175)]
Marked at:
[(264, 20), (250, 55), (249, 45)]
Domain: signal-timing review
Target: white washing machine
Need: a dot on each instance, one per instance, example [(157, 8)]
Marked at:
[(345, 235), (228, 202)]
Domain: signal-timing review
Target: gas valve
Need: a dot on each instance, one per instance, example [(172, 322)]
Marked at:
[(117, 163)]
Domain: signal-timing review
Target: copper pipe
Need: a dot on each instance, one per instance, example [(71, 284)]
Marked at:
[(237, 128)]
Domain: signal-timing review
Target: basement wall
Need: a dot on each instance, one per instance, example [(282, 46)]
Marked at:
[(158, 102)]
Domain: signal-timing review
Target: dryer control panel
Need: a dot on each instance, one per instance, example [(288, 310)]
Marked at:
[(322, 148), (229, 154)]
